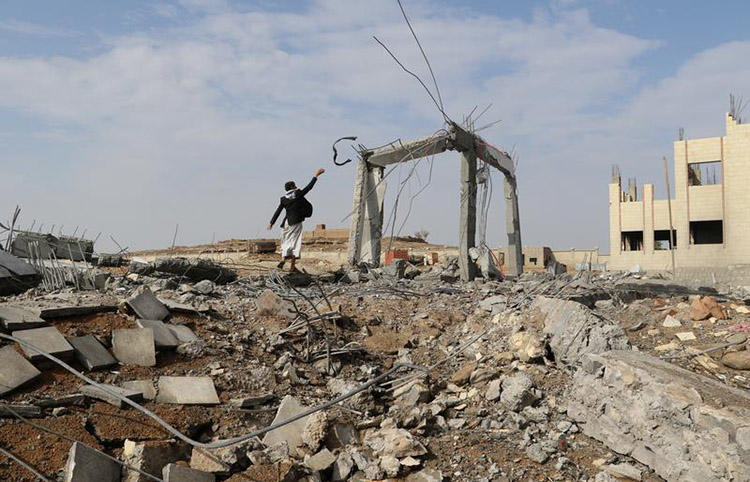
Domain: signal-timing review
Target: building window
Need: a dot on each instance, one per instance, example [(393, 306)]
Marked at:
[(662, 240), (704, 173), (632, 241), (707, 232), (532, 260)]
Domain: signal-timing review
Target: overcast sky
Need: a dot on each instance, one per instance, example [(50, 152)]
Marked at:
[(129, 117)]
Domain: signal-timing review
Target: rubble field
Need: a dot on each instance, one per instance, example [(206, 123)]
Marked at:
[(409, 373)]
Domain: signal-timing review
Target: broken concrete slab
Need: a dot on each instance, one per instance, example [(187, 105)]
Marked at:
[(47, 339), (91, 353), (145, 304), (681, 424), (320, 461), (163, 336), (18, 318), (98, 393), (146, 387), (290, 433), (187, 391), (184, 308), (575, 330), (180, 473), (16, 275), (183, 333), (134, 346), (88, 465)]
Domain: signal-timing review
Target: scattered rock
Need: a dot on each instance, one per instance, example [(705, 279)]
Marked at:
[(320, 461), (526, 345), (685, 336), (150, 457), (517, 392), (493, 390), (412, 395), (671, 322), (316, 427), (739, 360), (537, 453), (342, 467), (396, 442), (271, 304)]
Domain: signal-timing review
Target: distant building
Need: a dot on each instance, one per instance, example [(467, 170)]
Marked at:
[(710, 211)]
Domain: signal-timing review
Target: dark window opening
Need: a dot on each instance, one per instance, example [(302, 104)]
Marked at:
[(532, 260), (662, 240), (632, 240), (707, 232), (704, 173)]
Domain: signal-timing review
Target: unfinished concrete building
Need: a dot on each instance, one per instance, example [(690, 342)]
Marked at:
[(710, 212)]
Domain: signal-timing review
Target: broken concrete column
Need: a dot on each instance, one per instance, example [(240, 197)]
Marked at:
[(367, 215), (682, 425), (88, 465), (468, 220), (358, 214), (513, 227)]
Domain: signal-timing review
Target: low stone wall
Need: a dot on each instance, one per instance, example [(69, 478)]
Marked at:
[(684, 426)]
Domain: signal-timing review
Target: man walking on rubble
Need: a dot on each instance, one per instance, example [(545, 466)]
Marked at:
[(297, 210)]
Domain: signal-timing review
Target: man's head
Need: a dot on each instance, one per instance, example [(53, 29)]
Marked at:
[(289, 186)]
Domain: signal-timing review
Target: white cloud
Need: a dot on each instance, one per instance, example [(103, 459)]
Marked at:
[(201, 124), (29, 28)]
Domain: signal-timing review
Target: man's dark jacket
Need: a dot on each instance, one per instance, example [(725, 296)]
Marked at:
[(293, 208)]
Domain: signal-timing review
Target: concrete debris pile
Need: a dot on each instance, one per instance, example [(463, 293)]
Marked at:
[(389, 375), (27, 244)]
